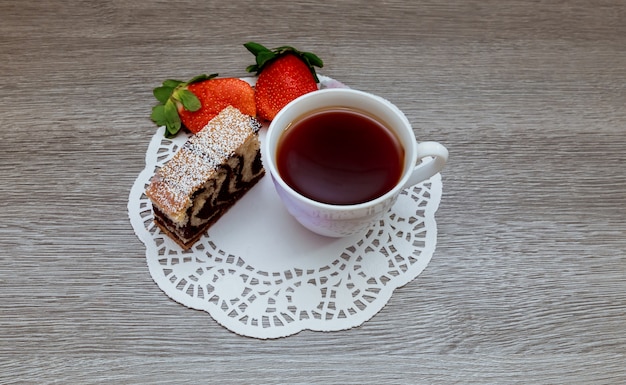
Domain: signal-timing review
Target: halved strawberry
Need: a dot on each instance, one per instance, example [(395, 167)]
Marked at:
[(284, 73), (194, 103)]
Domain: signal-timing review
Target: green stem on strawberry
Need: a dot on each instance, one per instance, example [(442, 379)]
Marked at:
[(265, 55), (173, 94)]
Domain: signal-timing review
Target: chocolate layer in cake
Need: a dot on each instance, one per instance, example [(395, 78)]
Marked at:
[(209, 173)]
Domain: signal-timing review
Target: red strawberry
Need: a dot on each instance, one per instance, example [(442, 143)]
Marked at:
[(284, 73), (194, 103)]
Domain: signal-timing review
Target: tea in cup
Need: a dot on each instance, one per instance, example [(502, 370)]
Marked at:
[(340, 157)]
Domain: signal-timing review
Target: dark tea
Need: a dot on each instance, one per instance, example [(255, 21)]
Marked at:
[(340, 156)]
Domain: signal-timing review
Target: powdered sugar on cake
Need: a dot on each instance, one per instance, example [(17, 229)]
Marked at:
[(172, 187)]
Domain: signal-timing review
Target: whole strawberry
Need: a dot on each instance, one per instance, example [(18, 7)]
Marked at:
[(194, 103), (284, 73)]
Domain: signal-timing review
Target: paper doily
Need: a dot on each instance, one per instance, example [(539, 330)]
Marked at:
[(260, 274)]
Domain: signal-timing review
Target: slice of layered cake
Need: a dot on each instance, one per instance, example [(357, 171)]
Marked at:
[(209, 173)]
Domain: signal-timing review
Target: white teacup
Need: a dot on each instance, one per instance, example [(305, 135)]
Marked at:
[(420, 161)]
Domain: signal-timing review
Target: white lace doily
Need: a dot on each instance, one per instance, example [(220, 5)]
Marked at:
[(260, 274)]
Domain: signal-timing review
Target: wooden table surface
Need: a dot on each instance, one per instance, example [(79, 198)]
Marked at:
[(528, 280)]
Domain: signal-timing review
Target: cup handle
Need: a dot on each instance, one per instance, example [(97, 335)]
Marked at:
[(438, 154)]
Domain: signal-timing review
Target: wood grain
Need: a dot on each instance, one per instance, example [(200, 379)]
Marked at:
[(528, 281)]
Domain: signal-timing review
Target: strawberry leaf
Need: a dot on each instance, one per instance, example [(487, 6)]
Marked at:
[(170, 132), (284, 49), (172, 120), (263, 57), (200, 78), (255, 48), (313, 59), (163, 93), (171, 83), (158, 115), (189, 100)]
